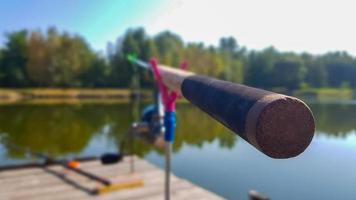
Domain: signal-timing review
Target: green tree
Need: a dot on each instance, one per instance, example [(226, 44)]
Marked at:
[(14, 58), (232, 57), (169, 47), (38, 66), (340, 67), (97, 74), (316, 75), (228, 44), (288, 73), (122, 71), (260, 66), (57, 60)]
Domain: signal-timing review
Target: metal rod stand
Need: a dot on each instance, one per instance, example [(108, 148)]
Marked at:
[(167, 184)]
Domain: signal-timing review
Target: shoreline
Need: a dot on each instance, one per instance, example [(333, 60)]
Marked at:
[(59, 95), (111, 95)]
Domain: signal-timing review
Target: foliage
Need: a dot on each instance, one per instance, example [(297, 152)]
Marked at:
[(13, 60), (54, 59), (58, 59)]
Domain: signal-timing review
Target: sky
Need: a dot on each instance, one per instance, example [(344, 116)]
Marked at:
[(315, 26)]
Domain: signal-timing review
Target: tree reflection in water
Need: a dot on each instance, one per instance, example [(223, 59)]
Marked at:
[(68, 129)]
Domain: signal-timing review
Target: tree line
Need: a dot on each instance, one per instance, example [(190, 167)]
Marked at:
[(35, 58)]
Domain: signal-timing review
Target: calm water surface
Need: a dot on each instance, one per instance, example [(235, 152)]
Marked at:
[(204, 152)]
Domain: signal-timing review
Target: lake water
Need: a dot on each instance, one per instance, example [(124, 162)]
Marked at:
[(205, 153)]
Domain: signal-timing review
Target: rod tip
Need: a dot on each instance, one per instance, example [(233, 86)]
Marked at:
[(131, 57)]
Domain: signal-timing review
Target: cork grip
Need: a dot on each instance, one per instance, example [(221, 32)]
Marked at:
[(280, 126)]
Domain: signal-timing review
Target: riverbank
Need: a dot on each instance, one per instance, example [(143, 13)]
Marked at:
[(63, 93), (326, 93), (58, 95)]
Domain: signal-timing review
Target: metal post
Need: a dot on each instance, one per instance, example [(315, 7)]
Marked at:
[(168, 150), (135, 100), (132, 161), (167, 185)]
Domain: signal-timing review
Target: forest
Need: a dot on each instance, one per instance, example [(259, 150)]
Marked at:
[(54, 59)]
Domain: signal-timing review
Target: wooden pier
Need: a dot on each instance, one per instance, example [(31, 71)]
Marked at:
[(55, 182)]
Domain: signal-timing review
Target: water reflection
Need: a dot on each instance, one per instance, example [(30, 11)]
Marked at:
[(334, 119), (68, 129), (58, 130), (195, 128)]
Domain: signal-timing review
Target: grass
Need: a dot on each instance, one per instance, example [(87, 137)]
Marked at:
[(60, 95), (64, 95), (326, 93), (59, 92)]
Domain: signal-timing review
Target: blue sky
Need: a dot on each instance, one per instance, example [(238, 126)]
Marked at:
[(97, 21), (316, 26)]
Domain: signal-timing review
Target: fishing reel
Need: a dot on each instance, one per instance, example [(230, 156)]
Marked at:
[(150, 128), (111, 158)]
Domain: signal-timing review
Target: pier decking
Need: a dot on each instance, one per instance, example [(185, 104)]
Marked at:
[(55, 182)]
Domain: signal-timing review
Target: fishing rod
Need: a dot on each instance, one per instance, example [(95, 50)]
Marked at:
[(110, 158), (36, 164), (71, 165), (279, 126)]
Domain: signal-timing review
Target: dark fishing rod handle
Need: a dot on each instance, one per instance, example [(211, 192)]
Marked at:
[(280, 126)]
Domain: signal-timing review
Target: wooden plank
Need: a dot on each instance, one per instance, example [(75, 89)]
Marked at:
[(31, 171), (52, 181), (102, 170), (149, 190), (49, 180), (189, 193), (57, 183), (194, 193), (64, 189)]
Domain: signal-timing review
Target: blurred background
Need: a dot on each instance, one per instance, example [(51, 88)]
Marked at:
[(65, 84)]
